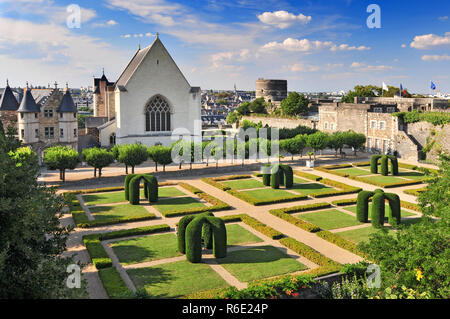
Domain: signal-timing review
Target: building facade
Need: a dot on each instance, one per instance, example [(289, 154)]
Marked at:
[(151, 100), (273, 91), (43, 119)]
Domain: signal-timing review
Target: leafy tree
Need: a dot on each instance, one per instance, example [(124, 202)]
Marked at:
[(233, 117), (361, 91), (295, 104), (98, 158), (258, 106), (336, 141), (62, 158), (161, 155), (132, 155), (32, 239), (355, 140), (294, 145), (244, 108), (317, 141)]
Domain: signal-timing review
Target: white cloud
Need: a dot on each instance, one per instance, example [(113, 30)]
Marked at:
[(363, 67), (444, 18), (428, 41), (137, 35), (305, 45), (444, 57), (283, 19), (403, 45), (300, 67), (109, 23)]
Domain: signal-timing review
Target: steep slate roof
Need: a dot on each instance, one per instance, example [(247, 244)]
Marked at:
[(8, 101), (135, 62), (67, 104), (28, 104)]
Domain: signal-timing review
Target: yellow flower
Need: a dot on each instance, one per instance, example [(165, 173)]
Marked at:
[(419, 274)]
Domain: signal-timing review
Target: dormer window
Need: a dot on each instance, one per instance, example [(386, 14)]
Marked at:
[(60, 115), (35, 115)]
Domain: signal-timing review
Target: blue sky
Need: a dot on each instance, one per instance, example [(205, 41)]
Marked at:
[(320, 45)]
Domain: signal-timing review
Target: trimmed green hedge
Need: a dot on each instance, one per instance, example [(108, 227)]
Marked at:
[(336, 166), (190, 188), (362, 206), (340, 241), (245, 197), (361, 164), (409, 205), (295, 221), (114, 285), (374, 164), (288, 175), (310, 253), (345, 202), (394, 208), (308, 176), (378, 209), (212, 182), (386, 185), (384, 165)]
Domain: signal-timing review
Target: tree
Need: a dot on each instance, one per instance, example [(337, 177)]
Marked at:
[(355, 140), (361, 91), (62, 158), (132, 155), (317, 141), (294, 145), (258, 106), (233, 117), (32, 239), (161, 155), (336, 141), (98, 158), (295, 104), (244, 108)]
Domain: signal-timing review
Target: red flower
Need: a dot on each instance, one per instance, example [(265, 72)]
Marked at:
[(227, 298), (303, 287), (295, 294)]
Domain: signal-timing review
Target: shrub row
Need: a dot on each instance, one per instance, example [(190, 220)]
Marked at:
[(336, 166), (344, 202), (308, 176), (295, 221), (361, 164), (310, 253), (304, 208), (113, 283), (345, 189), (415, 192), (256, 202), (112, 189), (212, 182), (190, 188), (322, 169), (228, 178), (409, 205), (340, 241), (255, 224)]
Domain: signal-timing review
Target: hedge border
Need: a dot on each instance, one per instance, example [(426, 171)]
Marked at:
[(251, 200), (340, 241), (312, 177), (386, 185), (415, 192)]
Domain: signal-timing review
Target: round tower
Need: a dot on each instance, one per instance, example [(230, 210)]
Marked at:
[(271, 90), (28, 118)]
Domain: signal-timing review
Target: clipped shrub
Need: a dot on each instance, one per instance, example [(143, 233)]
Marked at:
[(288, 176), (262, 228), (362, 206), (384, 165), (374, 164), (113, 283), (409, 205), (212, 182), (378, 210), (275, 180), (394, 216), (345, 202), (340, 241), (128, 178), (295, 221), (394, 164), (361, 164)]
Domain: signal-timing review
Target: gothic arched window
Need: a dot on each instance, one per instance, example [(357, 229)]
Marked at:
[(157, 115)]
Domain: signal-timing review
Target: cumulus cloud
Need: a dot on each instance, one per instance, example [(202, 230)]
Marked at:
[(109, 23), (305, 45), (444, 57), (428, 41), (283, 19), (300, 67)]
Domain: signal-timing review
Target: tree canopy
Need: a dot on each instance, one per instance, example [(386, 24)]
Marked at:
[(62, 158), (295, 104)]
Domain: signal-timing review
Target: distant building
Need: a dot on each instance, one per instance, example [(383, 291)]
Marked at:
[(273, 91), (44, 117)]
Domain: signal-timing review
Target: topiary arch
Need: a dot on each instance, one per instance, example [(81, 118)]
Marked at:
[(384, 164), (191, 229), (132, 188), (275, 175), (378, 207)]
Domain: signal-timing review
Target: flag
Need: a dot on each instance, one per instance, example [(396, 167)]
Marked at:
[(433, 86), (385, 87), (401, 90)]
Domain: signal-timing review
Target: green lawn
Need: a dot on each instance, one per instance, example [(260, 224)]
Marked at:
[(118, 211), (118, 197), (329, 219), (176, 279), (414, 175), (175, 204), (403, 212), (352, 171), (238, 184), (238, 235), (383, 179), (360, 234), (147, 248), (259, 262), (311, 188), (269, 194)]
